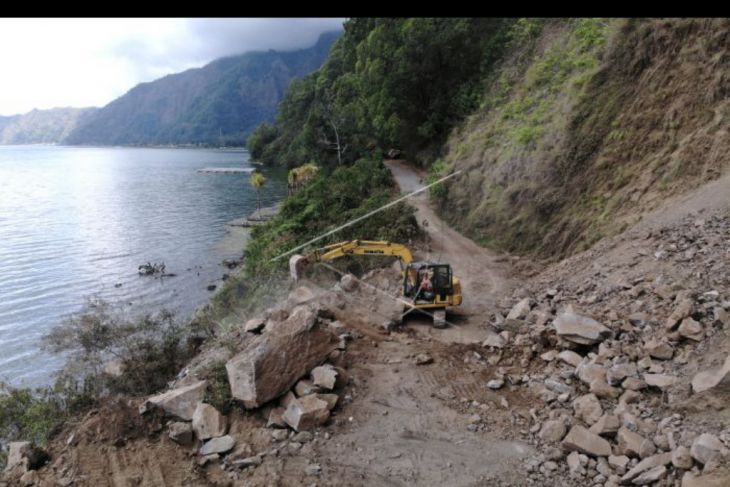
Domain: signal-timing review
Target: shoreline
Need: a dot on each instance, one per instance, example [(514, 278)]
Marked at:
[(238, 234)]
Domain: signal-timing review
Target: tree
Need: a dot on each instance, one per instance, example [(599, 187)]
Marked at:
[(299, 176), (257, 181)]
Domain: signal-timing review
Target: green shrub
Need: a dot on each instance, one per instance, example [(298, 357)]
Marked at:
[(218, 393), (151, 349)]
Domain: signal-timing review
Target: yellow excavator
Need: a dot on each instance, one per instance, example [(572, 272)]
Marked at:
[(427, 286)]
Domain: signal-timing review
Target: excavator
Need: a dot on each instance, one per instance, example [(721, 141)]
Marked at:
[(428, 286)]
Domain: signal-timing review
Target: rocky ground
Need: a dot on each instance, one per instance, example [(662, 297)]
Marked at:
[(609, 368)]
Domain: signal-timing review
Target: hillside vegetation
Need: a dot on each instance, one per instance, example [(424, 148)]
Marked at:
[(586, 123), (387, 83), (566, 130)]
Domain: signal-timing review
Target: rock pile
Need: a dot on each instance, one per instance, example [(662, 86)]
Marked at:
[(613, 372)]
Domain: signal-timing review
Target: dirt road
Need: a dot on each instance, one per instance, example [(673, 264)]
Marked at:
[(484, 275)]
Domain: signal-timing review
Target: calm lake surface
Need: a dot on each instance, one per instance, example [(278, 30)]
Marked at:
[(77, 222)]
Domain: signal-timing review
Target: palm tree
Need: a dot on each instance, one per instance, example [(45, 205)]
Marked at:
[(257, 181)]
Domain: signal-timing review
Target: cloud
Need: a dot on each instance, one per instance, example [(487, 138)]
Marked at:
[(89, 62)]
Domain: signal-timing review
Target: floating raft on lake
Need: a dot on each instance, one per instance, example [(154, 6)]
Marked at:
[(226, 169)]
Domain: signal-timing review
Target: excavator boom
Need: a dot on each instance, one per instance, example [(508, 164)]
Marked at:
[(298, 263)]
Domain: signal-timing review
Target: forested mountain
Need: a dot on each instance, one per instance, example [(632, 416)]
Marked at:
[(218, 104), (565, 130), (42, 126)]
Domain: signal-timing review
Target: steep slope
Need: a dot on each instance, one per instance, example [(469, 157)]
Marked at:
[(586, 124), (42, 126), (219, 103)]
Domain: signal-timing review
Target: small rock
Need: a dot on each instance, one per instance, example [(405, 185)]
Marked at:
[(303, 437), (570, 358), (607, 425), (181, 432), (553, 430), (423, 359), (588, 409), (494, 340), (662, 381), (634, 384), (313, 469), (573, 461), (549, 356), (254, 325), (324, 376), (683, 310), (659, 349), (180, 402), (706, 446), (691, 329), (651, 476), (495, 384), (280, 435), (305, 387), (306, 413), (253, 461), (682, 458), (629, 443), (276, 419), (349, 283), (618, 462), (712, 378), (646, 465), (714, 479), (208, 422), (602, 390), (581, 440), (221, 444)]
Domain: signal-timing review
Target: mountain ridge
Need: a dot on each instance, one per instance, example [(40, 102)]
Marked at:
[(217, 104)]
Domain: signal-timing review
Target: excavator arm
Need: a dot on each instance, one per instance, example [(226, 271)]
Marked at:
[(298, 263)]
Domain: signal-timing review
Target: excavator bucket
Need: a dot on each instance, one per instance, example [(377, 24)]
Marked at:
[(297, 266)]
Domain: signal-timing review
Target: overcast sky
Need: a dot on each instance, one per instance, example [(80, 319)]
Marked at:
[(46, 63)]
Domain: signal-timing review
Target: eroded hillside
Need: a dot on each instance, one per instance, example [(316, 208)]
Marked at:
[(586, 124)]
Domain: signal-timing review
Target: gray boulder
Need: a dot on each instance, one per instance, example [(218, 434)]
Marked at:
[(580, 329), (273, 362)]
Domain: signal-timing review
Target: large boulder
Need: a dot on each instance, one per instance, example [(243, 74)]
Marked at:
[(273, 362), (580, 329), (180, 402), (712, 378), (208, 422)]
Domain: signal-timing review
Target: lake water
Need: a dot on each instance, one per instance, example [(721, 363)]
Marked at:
[(77, 222)]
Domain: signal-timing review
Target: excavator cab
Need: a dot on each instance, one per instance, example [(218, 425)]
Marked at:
[(427, 282)]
